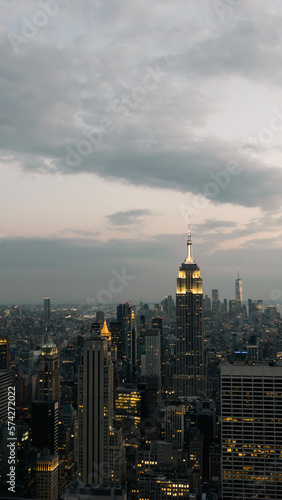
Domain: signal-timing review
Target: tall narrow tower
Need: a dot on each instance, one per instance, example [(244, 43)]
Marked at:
[(126, 316), (46, 309), (95, 405), (189, 378), (49, 373), (238, 290)]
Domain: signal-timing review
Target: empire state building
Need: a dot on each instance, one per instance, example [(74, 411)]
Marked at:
[(189, 378)]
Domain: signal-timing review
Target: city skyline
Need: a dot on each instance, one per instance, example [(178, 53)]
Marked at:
[(135, 365), (112, 295), (120, 120)]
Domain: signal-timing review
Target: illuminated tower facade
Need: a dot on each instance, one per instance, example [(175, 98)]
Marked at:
[(238, 290), (49, 373), (4, 353), (189, 378)]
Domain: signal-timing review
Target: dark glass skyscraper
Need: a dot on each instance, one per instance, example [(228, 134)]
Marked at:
[(45, 416), (189, 378), (126, 317), (47, 309)]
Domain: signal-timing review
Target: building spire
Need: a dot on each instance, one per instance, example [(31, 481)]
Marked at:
[(238, 273), (189, 258)]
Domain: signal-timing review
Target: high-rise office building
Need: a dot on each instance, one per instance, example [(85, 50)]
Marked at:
[(45, 418), (100, 316), (6, 380), (158, 324), (162, 486), (69, 419), (251, 399), (99, 443), (174, 425), (215, 302), (4, 352), (255, 308), (47, 477), (233, 307), (189, 375), (116, 335), (128, 408), (168, 306), (126, 316), (95, 408), (49, 373), (46, 309), (207, 303), (151, 359), (238, 290)]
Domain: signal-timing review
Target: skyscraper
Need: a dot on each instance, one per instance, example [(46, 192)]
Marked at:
[(47, 477), (151, 359), (215, 301), (251, 399), (69, 419), (238, 291), (126, 316), (95, 408), (46, 309), (49, 373), (45, 425), (174, 425), (101, 450), (4, 353), (189, 375)]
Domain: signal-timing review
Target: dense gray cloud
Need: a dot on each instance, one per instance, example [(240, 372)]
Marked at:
[(57, 89), (131, 91)]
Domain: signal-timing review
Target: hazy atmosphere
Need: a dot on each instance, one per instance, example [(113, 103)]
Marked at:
[(118, 120)]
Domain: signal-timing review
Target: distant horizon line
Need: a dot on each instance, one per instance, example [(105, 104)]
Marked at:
[(112, 304)]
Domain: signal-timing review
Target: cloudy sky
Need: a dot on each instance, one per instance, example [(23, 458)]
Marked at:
[(119, 119)]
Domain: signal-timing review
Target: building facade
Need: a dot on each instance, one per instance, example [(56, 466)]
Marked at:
[(251, 407), (49, 373), (101, 449), (4, 353), (126, 317), (46, 309), (189, 378), (47, 477)]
